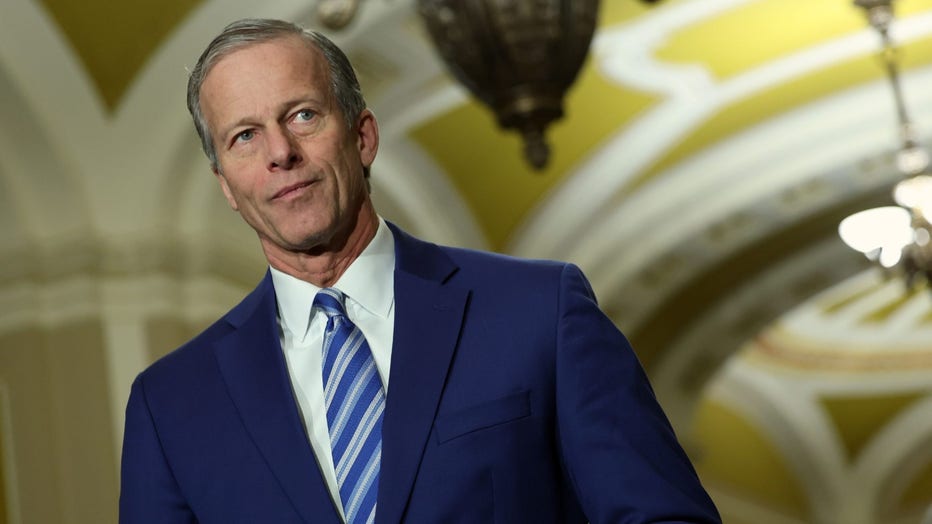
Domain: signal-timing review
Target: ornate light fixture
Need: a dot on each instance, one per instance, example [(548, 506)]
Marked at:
[(518, 58), (897, 237)]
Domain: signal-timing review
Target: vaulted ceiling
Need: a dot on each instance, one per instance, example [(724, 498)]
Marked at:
[(709, 149)]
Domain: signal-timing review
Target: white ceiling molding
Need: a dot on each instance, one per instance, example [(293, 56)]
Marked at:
[(747, 510), (794, 425), (624, 54), (891, 461), (406, 179), (698, 350), (823, 141), (903, 331)]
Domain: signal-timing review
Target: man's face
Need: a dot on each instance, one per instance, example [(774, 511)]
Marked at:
[(287, 161)]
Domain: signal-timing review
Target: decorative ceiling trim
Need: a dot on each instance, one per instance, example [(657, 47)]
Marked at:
[(850, 338), (626, 54), (41, 201), (113, 40), (796, 427), (733, 454), (713, 329), (406, 180), (777, 184), (891, 461)]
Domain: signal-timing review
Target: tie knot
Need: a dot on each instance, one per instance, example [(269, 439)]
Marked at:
[(331, 301)]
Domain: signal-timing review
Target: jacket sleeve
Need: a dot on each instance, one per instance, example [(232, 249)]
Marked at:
[(619, 451), (148, 489)]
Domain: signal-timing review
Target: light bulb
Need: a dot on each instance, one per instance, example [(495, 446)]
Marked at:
[(912, 160), (882, 227)]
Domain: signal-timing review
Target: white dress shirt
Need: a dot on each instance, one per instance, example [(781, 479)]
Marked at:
[(369, 287)]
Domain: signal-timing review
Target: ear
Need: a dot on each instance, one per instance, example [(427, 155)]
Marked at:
[(367, 137), (226, 188)]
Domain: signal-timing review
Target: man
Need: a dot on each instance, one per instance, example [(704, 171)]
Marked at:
[(479, 388)]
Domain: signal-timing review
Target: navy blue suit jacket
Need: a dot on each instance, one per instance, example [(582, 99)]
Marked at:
[(512, 399)]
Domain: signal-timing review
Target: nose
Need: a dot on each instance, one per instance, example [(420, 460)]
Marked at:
[(283, 152)]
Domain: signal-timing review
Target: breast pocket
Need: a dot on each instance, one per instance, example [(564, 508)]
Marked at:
[(482, 416)]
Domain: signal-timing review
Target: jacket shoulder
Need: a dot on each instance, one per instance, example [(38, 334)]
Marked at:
[(196, 352), (497, 267)]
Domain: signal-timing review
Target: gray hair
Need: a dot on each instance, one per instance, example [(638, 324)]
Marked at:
[(344, 86)]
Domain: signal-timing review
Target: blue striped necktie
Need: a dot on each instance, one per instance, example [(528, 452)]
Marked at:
[(355, 402)]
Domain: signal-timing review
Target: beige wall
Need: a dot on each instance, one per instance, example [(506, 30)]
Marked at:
[(69, 350), (56, 425)]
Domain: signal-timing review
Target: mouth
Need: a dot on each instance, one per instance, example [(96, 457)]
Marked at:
[(291, 190)]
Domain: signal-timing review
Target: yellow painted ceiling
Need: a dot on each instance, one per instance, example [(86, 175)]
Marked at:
[(3, 491), (783, 98), (882, 309), (487, 165), (490, 171), (757, 32), (613, 12), (858, 419), (114, 39), (833, 305), (919, 493), (501, 190), (732, 454)]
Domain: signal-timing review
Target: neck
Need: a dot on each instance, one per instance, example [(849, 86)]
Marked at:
[(324, 267)]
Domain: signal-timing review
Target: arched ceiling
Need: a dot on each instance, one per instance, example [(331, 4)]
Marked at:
[(708, 151)]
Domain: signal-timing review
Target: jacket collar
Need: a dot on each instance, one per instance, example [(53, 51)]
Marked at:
[(429, 312), (428, 316), (253, 366)]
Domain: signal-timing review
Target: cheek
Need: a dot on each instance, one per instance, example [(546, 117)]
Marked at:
[(245, 194)]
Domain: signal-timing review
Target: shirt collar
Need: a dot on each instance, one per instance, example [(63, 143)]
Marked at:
[(368, 281)]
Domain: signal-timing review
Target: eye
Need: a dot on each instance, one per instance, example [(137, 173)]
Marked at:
[(304, 115), (244, 136)]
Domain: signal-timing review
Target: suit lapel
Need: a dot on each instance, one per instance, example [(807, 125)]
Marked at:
[(428, 317), (252, 364)]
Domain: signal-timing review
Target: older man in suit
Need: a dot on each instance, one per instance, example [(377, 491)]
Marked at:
[(371, 376)]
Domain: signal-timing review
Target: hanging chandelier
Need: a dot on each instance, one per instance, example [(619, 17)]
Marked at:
[(518, 57), (898, 238)]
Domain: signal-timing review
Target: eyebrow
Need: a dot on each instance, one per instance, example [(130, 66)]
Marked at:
[(248, 121)]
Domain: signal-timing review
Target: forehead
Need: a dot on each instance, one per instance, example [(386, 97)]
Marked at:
[(291, 51), (286, 58), (264, 72)]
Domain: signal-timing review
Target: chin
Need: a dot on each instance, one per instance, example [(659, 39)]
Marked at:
[(313, 240)]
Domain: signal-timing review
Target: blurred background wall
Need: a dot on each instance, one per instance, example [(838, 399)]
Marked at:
[(710, 149)]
